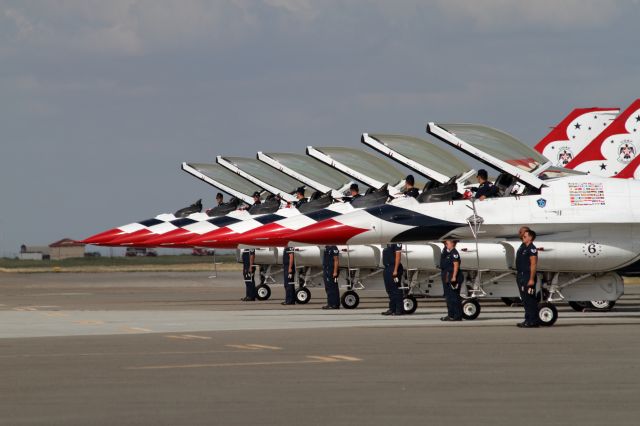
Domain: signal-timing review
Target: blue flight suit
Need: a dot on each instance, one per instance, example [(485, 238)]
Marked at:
[(487, 189), (289, 278), (451, 292), (412, 192), (390, 284), (248, 274), (330, 283), (523, 268), (299, 203)]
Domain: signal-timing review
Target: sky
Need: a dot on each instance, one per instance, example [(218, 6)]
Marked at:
[(101, 101)]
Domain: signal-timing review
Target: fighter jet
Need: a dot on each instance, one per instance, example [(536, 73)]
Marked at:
[(584, 222)]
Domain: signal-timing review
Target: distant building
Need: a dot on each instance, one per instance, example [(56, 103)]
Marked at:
[(62, 249), (33, 252), (65, 249)]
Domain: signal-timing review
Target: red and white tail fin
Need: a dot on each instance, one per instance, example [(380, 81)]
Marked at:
[(573, 134), (613, 150)]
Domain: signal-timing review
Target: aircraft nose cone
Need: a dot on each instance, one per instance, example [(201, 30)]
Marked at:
[(214, 239), (172, 238), (270, 235), (103, 237), (134, 238), (327, 232)]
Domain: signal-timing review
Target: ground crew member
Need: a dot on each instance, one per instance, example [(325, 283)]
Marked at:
[(248, 274), (409, 189), (391, 257), (289, 271), (451, 280), (330, 265), (486, 189), (526, 266), (300, 197)]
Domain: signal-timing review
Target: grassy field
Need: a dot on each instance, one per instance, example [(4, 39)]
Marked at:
[(111, 264)]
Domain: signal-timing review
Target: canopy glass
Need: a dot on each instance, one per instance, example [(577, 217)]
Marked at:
[(424, 153), (364, 163)]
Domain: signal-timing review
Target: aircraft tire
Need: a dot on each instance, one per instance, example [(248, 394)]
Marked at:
[(547, 314), (409, 304), (350, 299), (263, 292), (470, 309), (601, 305), (303, 295)]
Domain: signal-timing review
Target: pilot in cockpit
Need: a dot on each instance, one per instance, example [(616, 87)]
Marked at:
[(409, 189), (486, 189), (300, 197)]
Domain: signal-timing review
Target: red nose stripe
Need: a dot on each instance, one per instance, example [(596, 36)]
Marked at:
[(326, 232), (171, 238), (270, 235), (129, 239), (103, 237), (214, 239)]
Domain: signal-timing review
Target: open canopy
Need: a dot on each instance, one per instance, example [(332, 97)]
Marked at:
[(262, 175), (359, 164), (222, 179), (304, 168), (419, 155), (494, 148)]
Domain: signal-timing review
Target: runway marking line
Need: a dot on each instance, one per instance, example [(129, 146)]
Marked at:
[(89, 322), (187, 337), (255, 347), (33, 308), (128, 329), (55, 314), (311, 359)]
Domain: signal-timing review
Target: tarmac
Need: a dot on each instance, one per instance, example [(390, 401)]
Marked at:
[(181, 349)]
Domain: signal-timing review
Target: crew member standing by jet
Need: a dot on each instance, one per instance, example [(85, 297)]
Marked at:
[(486, 189), (391, 257), (409, 189), (248, 274), (289, 271), (526, 266), (300, 197), (330, 265), (451, 280)]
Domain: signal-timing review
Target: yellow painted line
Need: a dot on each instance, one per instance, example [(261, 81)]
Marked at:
[(273, 348), (187, 337), (247, 347), (33, 308), (254, 347), (128, 329), (323, 358), (311, 360), (193, 336), (346, 358), (89, 322), (55, 314)]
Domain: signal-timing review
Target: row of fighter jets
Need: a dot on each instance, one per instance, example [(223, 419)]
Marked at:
[(587, 222)]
